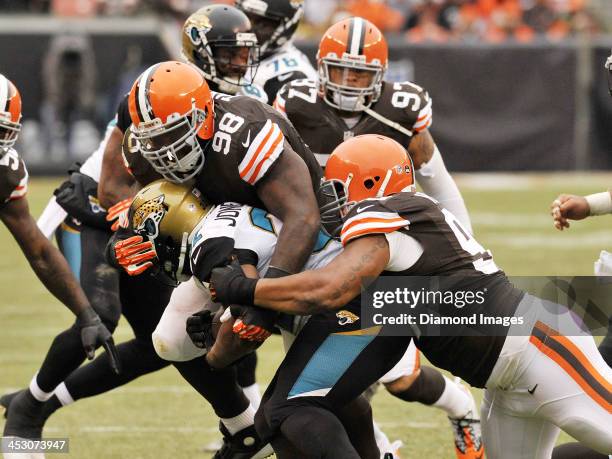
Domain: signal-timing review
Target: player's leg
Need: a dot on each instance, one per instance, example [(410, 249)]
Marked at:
[(410, 382), (83, 247), (605, 347), (578, 388), (508, 434), (247, 379), (327, 366), (219, 387), (576, 451)]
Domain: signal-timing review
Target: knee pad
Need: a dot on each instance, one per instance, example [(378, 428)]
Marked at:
[(175, 348)]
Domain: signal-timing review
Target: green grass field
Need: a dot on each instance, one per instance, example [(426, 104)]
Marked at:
[(159, 416)]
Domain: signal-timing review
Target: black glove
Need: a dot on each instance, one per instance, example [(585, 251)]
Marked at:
[(78, 197), (200, 329), (93, 334), (229, 285)]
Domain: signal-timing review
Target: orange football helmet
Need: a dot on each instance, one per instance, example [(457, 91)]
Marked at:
[(352, 49), (10, 114), (171, 107), (366, 166)]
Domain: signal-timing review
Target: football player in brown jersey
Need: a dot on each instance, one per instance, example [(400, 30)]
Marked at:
[(49, 265), (537, 379), (351, 98)]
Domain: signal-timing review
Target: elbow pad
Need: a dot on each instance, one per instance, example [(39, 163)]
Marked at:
[(435, 181)]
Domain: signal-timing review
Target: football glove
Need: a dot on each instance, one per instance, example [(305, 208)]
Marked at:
[(229, 285), (94, 334), (134, 255), (118, 214), (200, 329), (253, 323)]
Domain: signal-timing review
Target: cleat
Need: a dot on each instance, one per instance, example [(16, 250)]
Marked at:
[(6, 400), (468, 436), (25, 418), (242, 445)]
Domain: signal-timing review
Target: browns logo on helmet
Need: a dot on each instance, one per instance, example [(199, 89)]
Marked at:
[(352, 61), (10, 114), (171, 107)]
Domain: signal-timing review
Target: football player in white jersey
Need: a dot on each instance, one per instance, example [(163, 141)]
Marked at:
[(274, 22)]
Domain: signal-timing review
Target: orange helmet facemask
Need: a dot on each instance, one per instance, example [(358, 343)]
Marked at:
[(171, 107), (10, 114), (366, 166), (350, 50)]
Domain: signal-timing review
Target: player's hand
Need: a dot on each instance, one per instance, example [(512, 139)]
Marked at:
[(229, 285), (568, 207), (200, 329), (118, 214), (135, 255), (253, 323), (94, 334)]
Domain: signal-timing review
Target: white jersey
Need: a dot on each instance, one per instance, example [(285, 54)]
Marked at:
[(287, 64), (249, 232)]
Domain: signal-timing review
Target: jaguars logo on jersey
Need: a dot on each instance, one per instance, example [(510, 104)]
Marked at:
[(346, 317)]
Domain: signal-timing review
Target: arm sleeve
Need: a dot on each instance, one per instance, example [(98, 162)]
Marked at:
[(435, 181)]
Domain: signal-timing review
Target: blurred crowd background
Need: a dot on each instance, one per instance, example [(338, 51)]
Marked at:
[(516, 84), (415, 20)]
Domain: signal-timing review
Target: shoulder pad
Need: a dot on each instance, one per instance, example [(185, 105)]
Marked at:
[(371, 216), (411, 104)]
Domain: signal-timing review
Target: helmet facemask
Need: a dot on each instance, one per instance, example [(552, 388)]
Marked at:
[(332, 197), (273, 30), (9, 131), (172, 148), (229, 63), (350, 84), (608, 66)]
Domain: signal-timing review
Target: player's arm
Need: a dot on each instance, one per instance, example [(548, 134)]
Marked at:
[(434, 178), (288, 194), (571, 207), (116, 183), (308, 292), (53, 271)]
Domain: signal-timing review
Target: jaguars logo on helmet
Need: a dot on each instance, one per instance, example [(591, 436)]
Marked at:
[(218, 40), (167, 213)]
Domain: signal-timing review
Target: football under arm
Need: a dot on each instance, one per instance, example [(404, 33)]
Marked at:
[(45, 259), (328, 288), (434, 179), (116, 183), (288, 194)]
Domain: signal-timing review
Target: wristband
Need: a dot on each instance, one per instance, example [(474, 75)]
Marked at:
[(599, 203)]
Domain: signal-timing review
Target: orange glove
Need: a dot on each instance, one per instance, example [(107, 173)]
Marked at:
[(134, 255), (119, 214), (250, 332)]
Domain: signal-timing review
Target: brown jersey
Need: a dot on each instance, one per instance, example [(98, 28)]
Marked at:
[(323, 129), (249, 138), (448, 250), (13, 177)]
